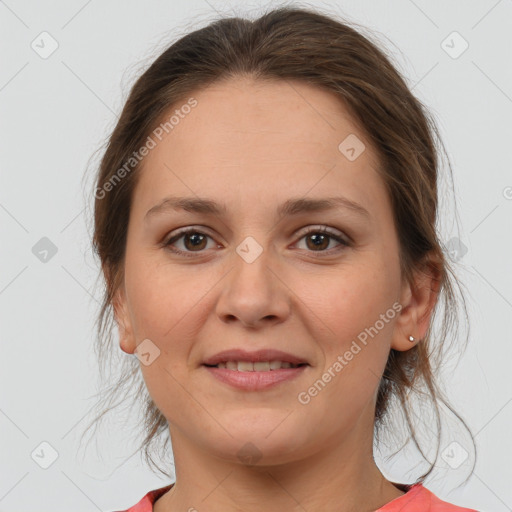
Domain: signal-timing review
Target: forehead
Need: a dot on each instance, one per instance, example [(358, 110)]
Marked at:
[(246, 136), (266, 117)]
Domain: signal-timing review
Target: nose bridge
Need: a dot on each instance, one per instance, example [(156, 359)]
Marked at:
[(252, 291), (251, 275)]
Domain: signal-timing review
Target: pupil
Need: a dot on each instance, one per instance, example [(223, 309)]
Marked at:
[(196, 239), (318, 239)]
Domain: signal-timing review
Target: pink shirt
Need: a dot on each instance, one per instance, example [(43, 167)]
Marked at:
[(416, 499)]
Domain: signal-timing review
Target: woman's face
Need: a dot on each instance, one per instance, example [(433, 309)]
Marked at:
[(250, 279)]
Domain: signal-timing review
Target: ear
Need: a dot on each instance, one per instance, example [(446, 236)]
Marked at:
[(418, 300), (123, 321)]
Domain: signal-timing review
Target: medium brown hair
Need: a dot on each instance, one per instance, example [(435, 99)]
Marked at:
[(291, 43)]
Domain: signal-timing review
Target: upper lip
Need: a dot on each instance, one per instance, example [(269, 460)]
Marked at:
[(258, 355)]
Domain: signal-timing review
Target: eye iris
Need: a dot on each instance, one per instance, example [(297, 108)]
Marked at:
[(318, 240), (196, 239)]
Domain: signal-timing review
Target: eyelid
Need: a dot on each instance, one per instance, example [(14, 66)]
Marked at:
[(322, 228), (166, 243), (343, 239)]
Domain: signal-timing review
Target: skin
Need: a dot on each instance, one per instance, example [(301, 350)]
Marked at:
[(252, 145)]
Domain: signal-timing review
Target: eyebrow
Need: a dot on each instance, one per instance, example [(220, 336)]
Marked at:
[(288, 208)]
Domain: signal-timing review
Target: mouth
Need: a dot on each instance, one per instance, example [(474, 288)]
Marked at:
[(255, 366), (254, 371), (263, 360), (257, 376)]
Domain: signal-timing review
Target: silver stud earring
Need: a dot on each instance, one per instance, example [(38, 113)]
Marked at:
[(412, 339)]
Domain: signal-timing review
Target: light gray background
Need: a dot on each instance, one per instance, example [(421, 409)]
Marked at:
[(56, 111)]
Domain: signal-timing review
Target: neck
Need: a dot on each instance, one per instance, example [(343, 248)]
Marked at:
[(341, 476)]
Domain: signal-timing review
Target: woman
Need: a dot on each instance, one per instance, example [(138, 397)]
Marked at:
[(265, 218)]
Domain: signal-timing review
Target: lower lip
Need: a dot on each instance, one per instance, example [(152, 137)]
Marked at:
[(254, 381)]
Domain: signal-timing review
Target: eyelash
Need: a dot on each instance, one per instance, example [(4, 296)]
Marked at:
[(191, 254)]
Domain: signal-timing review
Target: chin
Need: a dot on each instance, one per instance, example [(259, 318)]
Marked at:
[(258, 441)]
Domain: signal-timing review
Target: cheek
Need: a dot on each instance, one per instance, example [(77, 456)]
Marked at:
[(164, 305), (353, 298), (161, 296), (357, 308)]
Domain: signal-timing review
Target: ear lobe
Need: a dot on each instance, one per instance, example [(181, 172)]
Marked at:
[(418, 301), (123, 321)]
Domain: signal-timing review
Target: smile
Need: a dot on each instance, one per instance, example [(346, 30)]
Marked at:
[(260, 366), (256, 376)]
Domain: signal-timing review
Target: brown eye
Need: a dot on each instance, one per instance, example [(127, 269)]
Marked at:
[(319, 239), (192, 241)]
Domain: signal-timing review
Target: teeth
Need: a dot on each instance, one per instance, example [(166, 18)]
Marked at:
[(245, 366), (260, 366)]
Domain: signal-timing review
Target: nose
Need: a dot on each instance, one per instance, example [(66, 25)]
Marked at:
[(254, 293)]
